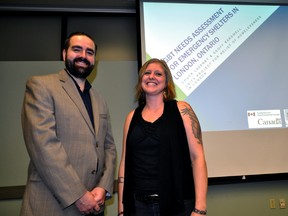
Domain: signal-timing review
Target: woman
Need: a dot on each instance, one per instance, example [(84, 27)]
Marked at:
[(162, 170)]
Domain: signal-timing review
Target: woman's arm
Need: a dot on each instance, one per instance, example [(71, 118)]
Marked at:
[(194, 137), (121, 172)]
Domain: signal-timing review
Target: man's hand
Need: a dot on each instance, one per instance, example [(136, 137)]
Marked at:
[(87, 203), (99, 196)]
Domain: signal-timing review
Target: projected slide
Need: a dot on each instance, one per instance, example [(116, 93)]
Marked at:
[(228, 61)]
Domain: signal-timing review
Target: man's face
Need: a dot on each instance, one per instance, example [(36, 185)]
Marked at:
[(80, 56)]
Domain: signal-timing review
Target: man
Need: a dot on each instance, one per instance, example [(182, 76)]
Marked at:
[(67, 132)]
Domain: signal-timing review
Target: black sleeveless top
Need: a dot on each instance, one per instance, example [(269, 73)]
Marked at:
[(144, 143), (174, 182)]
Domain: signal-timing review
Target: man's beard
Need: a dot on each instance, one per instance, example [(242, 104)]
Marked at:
[(77, 71)]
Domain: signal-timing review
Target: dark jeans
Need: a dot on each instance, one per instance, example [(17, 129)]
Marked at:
[(100, 214), (142, 209)]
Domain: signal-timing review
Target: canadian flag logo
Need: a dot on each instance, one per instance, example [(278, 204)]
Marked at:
[(251, 114)]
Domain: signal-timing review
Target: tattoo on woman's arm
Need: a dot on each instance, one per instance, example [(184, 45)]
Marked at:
[(196, 129)]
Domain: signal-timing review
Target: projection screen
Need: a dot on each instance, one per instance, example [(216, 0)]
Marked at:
[(229, 61)]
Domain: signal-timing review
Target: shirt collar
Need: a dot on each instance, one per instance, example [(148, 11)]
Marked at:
[(87, 84)]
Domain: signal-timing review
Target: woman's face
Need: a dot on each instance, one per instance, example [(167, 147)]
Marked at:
[(153, 79)]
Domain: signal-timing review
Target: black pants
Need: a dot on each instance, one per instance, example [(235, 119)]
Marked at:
[(143, 209)]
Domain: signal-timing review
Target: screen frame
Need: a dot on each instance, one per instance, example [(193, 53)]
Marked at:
[(141, 60)]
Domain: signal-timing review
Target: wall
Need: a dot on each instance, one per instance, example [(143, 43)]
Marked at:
[(30, 47), (251, 199)]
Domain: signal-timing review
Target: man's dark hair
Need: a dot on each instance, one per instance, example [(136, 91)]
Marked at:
[(67, 41)]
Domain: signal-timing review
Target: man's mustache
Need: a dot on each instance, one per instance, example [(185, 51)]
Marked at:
[(81, 59)]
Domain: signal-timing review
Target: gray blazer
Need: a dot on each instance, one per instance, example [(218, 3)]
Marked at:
[(68, 156)]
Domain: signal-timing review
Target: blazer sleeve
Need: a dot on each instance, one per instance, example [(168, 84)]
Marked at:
[(44, 148)]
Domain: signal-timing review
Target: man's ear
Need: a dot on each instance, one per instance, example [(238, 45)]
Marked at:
[(64, 54)]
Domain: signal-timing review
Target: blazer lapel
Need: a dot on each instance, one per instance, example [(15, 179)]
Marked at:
[(70, 88), (95, 109)]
